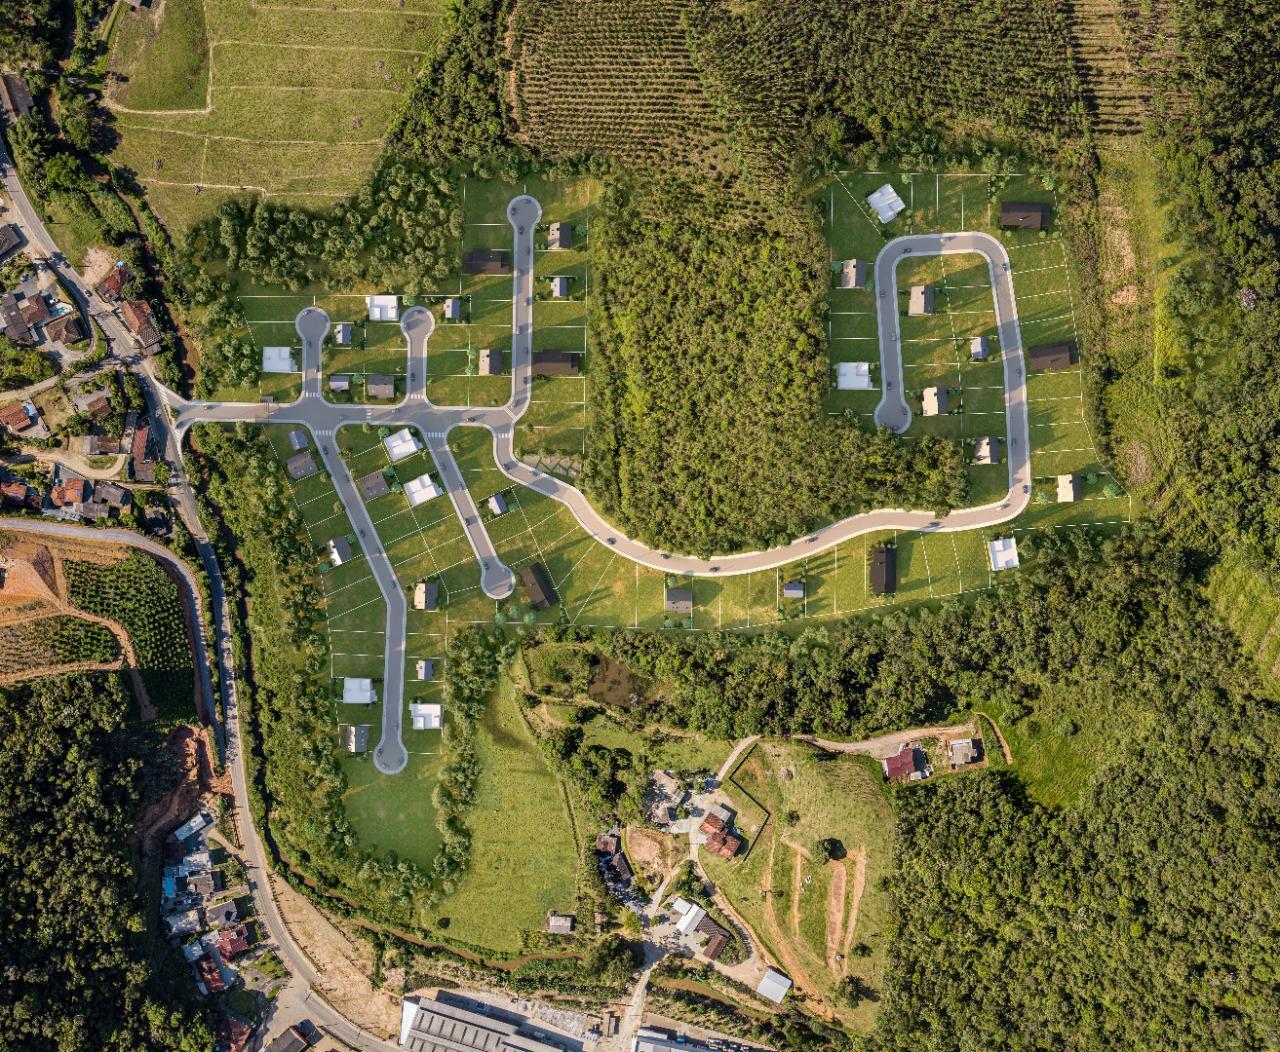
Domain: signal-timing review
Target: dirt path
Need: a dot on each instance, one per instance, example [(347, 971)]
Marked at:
[(797, 889), (859, 882), (835, 915), (1004, 745), (787, 957), (888, 744)]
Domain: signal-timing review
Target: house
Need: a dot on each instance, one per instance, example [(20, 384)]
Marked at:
[(17, 417), (137, 316), (1068, 489), (421, 490), (607, 843), (355, 737), (487, 262), (36, 310), (718, 819), (94, 511), (774, 986), (380, 385), (193, 825), (963, 751), (557, 363), (426, 595), (301, 465), (1024, 215), (498, 504), (1053, 355), (560, 286), (426, 716), (979, 349), (886, 203), (205, 884), (908, 763), (209, 975), (69, 492), (425, 668), (98, 444), (679, 601), (383, 308), (298, 440), (1003, 554), (340, 382), (185, 923), (96, 404), (617, 867), (292, 1040), (560, 923), (793, 590), (222, 914), (373, 485), (537, 584), (853, 376), (726, 845), (278, 360), (715, 946), (11, 320), (853, 274), (921, 302), (884, 570), (357, 691), (111, 288), (402, 444), (690, 917), (16, 493), (559, 237), (342, 334), (453, 308), (490, 362), (934, 401), (111, 493), (142, 467), (233, 1034), (339, 551), (10, 239), (15, 95), (986, 451)]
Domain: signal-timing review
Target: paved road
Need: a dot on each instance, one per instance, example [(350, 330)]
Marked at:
[(435, 422)]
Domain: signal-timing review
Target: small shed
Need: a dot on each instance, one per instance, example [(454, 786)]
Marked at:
[(559, 236), (853, 376), (774, 986), (355, 737), (886, 203), (679, 601), (498, 504), (934, 401), (987, 450), (884, 570), (793, 590), (853, 274), (921, 302), (560, 923), (453, 308), (560, 286), (380, 385)]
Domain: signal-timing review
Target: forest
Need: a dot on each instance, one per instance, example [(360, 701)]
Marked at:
[(79, 971)]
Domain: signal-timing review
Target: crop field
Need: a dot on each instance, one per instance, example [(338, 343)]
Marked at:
[(139, 594), (286, 100), (27, 647), (788, 796)]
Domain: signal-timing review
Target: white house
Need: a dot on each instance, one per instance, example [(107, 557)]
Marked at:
[(421, 490), (192, 826), (402, 444), (692, 917), (383, 308), (342, 334), (979, 350), (774, 986), (933, 400), (426, 717), (853, 376), (278, 360), (1003, 554), (560, 287), (1068, 489), (887, 203), (498, 504), (853, 274), (453, 308), (358, 691)]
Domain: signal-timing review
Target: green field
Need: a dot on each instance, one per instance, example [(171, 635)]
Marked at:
[(789, 795), (286, 100)]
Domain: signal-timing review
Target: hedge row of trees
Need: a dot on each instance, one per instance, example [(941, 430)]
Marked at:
[(77, 972)]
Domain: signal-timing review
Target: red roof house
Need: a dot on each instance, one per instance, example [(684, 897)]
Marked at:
[(902, 764)]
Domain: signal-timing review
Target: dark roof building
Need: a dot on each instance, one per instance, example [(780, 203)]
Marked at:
[(542, 593), (11, 320), (64, 329), (222, 914), (301, 465), (486, 261), (111, 288), (355, 737), (490, 362), (380, 385), (36, 310), (679, 601), (557, 363), (233, 1034), (15, 95), (292, 1040), (9, 239), (793, 590), (14, 493), (884, 570), (233, 941), (907, 761), (1024, 215), (374, 485), (715, 945), (1053, 355), (560, 236)]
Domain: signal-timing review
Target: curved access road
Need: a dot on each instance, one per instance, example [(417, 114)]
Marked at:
[(893, 411)]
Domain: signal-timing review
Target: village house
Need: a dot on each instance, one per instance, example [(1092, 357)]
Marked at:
[(538, 586), (559, 237)]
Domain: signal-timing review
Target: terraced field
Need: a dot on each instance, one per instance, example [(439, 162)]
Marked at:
[(285, 99)]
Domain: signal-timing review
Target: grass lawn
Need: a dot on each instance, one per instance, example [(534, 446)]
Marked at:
[(394, 814), (524, 858), (804, 919)]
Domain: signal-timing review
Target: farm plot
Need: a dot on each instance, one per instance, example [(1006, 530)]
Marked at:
[(228, 96), (29, 648), (141, 596), (812, 914)]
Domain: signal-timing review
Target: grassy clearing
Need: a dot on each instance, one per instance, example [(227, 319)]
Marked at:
[(803, 919), (525, 851), (233, 96)]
